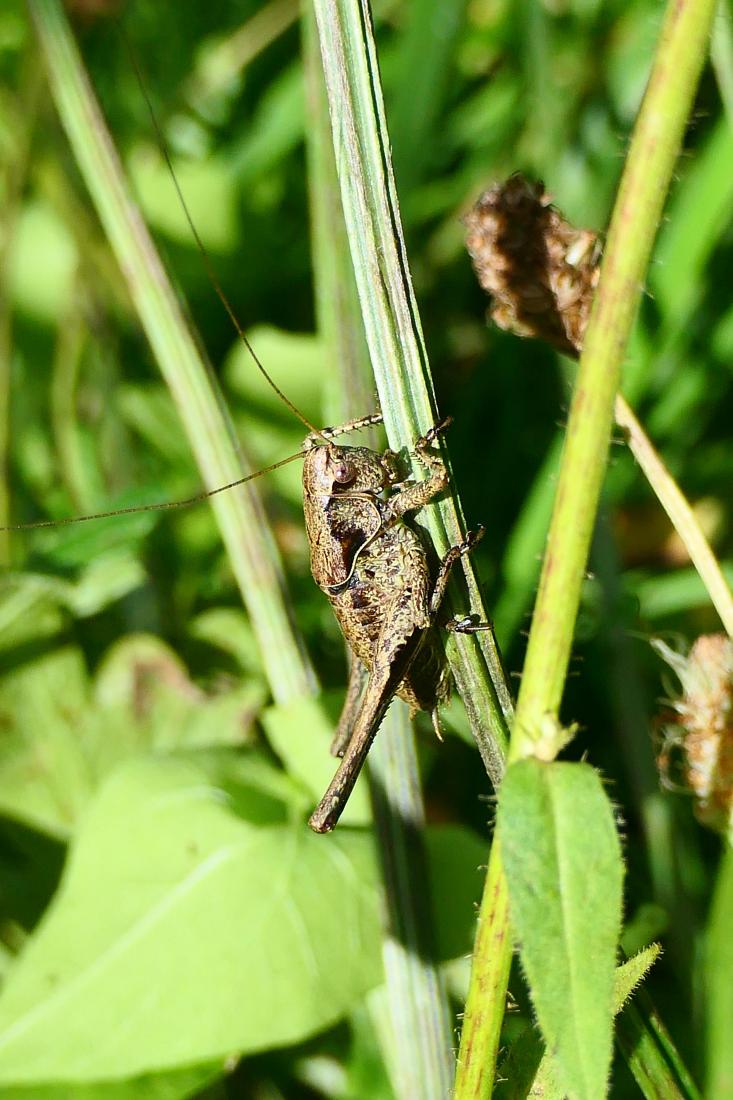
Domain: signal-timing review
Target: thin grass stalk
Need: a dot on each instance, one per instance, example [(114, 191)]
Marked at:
[(721, 56), (394, 333), (418, 1045), (239, 513), (421, 1060), (637, 212), (224, 62), (679, 511), (14, 171), (651, 1056), (337, 305)]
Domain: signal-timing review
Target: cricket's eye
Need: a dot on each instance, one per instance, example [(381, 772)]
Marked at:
[(344, 472)]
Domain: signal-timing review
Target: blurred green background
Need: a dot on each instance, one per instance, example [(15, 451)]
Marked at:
[(474, 91)]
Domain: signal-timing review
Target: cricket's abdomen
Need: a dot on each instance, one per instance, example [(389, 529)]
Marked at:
[(387, 597), (426, 685)]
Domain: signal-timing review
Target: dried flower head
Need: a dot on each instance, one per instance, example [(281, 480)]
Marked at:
[(703, 726), (540, 271)]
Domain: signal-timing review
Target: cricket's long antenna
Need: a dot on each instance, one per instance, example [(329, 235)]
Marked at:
[(160, 506), (210, 270)]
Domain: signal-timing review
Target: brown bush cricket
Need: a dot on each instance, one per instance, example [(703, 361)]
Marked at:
[(374, 570)]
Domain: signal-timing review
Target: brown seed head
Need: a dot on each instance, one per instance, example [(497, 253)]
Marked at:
[(540, 271)]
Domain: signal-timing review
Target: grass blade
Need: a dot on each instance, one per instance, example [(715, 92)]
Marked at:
[(393, 329), (239, 513)]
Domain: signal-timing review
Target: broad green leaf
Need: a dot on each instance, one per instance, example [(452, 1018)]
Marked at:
[(211, 196), (63, 734), (28, 611), (108, 577), (42, 290), (183, 933), (275, 129), (719, 984), (526, 1071), (296, 359), (229, 629), (162, 707), (176, 1085), (563, 865), (256, 788), (32, 605)]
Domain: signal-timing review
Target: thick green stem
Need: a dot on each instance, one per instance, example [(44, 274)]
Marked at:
[(647, 174), (486, 1000), (646, 178)]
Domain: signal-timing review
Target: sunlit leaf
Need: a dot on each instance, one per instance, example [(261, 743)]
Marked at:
[(183, 933)]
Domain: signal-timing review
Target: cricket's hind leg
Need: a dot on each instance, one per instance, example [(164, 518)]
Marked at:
[(357, 680), (397, 645)]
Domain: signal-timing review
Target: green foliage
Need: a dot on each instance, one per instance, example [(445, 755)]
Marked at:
[(526, 1070), (196, 920), (150, 951), (563, 865)]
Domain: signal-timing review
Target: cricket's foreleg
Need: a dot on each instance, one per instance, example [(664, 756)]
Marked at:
[(357, 680), (368, 421), (466, 624), (421, 493)]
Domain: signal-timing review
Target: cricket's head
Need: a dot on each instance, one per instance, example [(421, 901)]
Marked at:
[(330, 470)]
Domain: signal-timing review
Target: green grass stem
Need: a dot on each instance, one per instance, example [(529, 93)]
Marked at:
[(239, 513), (680, 513), (13, 173)]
